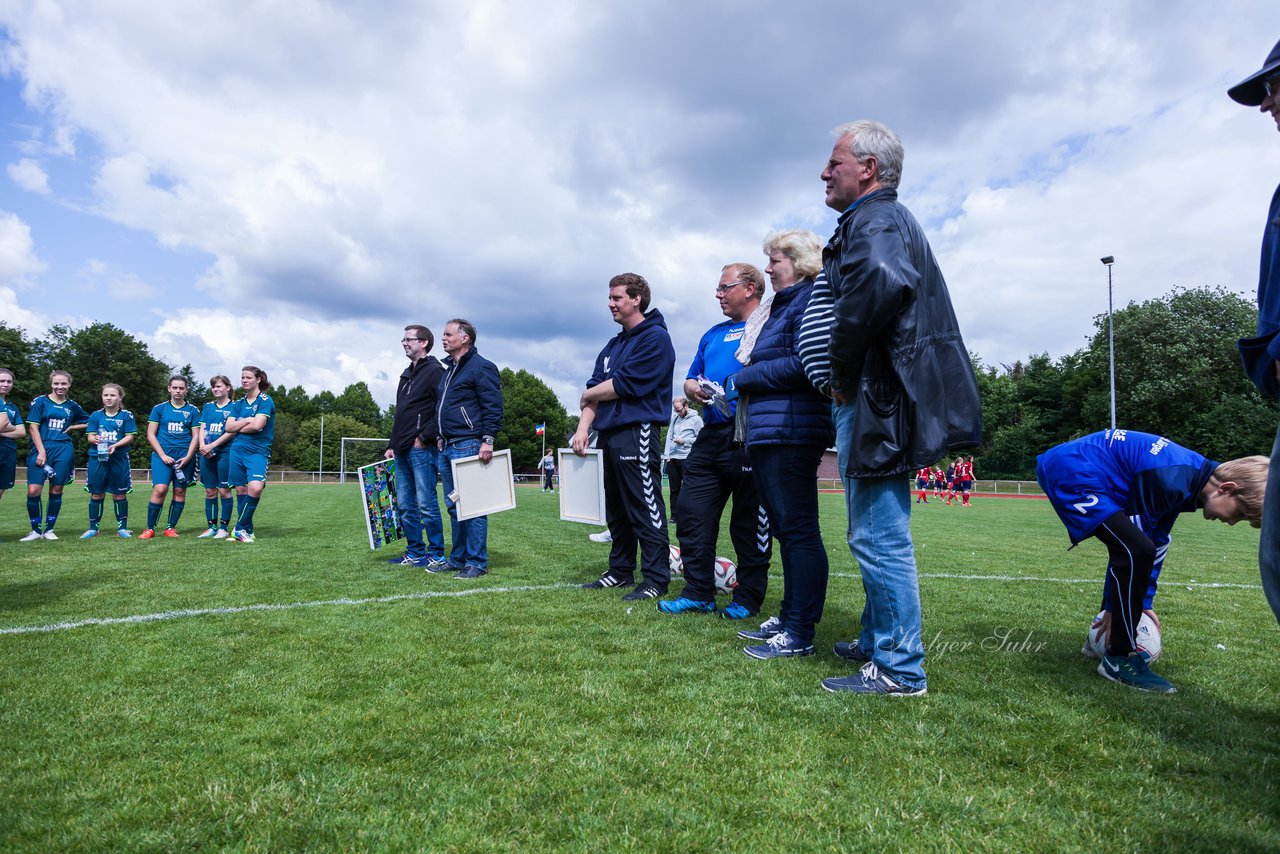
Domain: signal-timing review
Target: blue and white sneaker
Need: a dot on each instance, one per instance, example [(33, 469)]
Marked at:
[(735, 611), (434, 564), (89, 534), (850, 651), (779, 646), (124, 533), (684, 605), (1132, 670), (405, 560), (869, 680), (767, 630)]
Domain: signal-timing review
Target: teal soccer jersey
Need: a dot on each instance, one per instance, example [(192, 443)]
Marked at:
[(213, 419), (175, 425), (53, 419), (111, 428), (15, 417), (260, 442)]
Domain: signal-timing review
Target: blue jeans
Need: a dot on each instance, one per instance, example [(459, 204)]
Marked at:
[(418, 502), (1269, 545), (470, 538), (880, 539), (787, 482)]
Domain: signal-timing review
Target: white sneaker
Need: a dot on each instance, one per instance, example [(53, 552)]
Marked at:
[(50, 535), (602, 537), (34, 535), (222, 534), (212, 532)]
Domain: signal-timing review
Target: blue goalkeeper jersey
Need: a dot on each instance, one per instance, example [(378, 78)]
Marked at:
[(259, 442), (175, 424), (53, 419), (716, 361)]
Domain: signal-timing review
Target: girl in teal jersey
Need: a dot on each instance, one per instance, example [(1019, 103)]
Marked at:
[(110, 432), (215, 458), (53, 417), (254, 426), (173, 431), (10, 432)]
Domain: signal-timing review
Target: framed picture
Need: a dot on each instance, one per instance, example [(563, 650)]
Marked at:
[(582, 486), (378, 492), (484, 488)]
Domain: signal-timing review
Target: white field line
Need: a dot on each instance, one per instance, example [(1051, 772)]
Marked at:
[(444, 594)]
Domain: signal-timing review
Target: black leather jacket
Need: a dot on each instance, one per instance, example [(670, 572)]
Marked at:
[(896, 350)]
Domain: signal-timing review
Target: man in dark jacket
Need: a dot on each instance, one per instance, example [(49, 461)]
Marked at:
[(625, 401), (1261, 354), (468, 417), (413, 446), (904, 389)]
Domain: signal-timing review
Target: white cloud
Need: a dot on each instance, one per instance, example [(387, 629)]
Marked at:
[(28, 175), (18, 259)]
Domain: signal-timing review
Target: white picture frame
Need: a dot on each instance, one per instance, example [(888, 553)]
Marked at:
[(483, 488), (581, 486)]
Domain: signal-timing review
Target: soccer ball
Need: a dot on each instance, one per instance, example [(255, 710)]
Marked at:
[(726, 575), (674, 561), (1149, 639)]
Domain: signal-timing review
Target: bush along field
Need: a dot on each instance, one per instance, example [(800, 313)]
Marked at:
[(300, 692)]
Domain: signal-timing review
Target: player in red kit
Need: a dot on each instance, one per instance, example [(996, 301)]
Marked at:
[(922, 483)]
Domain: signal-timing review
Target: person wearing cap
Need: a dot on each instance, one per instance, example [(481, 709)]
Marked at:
[(1261, 354)]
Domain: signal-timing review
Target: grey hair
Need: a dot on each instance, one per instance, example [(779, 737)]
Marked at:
[(802, 247), (872, 139)]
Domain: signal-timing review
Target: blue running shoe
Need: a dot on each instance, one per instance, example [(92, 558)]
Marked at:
[(768, 629), (124, 533), (869, 680), (89, 534), (735, 611), (471, 572), (434, 564), (1132, 670), (405, 560), (779, 646), (684, 605), (850, 651)]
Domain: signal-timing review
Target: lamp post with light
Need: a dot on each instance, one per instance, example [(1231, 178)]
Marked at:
[(1111, 338)]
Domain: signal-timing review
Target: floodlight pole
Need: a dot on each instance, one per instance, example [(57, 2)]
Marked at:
[(322, 449), (1111, 338)]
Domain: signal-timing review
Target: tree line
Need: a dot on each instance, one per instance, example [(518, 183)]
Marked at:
[(1177, 374)]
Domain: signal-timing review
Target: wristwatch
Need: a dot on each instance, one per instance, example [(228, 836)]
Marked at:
[(486, 440)]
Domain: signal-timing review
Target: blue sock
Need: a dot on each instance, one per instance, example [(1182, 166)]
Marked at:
[(153, 514), (246, 515), (55, 505), (122, 512), (175, 512), (211, 512), (225, 517), (34, 512), (95, 513)]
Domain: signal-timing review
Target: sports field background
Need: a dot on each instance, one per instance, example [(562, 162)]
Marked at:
[(517, 712)]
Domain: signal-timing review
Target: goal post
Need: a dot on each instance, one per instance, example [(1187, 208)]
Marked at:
[(353, 454)]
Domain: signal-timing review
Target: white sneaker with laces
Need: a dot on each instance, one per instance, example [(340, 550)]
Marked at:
[(34, 535), (222, 534), (602, 537), (50, 535), (212, 532)]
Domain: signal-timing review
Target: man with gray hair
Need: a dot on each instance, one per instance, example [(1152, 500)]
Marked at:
[(904, 389)]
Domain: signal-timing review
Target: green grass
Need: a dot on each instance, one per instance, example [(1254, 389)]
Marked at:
[(559, 719)]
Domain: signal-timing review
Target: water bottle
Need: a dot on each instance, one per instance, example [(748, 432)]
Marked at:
[(49, 471), (104, 449), (179, 476)]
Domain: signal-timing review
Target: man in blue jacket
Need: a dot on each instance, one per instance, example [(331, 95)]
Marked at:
[(1261, 353), (413, 446), (468, 417), (625, 401)]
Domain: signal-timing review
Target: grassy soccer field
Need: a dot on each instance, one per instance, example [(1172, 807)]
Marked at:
[(384, 710)]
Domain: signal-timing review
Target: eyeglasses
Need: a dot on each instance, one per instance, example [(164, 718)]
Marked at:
[(411, 340), (724, 289)]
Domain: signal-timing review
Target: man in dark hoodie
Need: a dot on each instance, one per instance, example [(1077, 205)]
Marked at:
[(468, 417), (626, 402), (413, 446)]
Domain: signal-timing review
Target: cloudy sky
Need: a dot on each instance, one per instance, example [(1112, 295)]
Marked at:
[(289, 183)]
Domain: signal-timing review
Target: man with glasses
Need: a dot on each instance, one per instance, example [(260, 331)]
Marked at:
[(413, 447), (718, 467), (625, 402), (1261, 354)]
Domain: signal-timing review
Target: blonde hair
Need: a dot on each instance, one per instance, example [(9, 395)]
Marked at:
[(119, 390), (1249, 474), (802, 247)]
